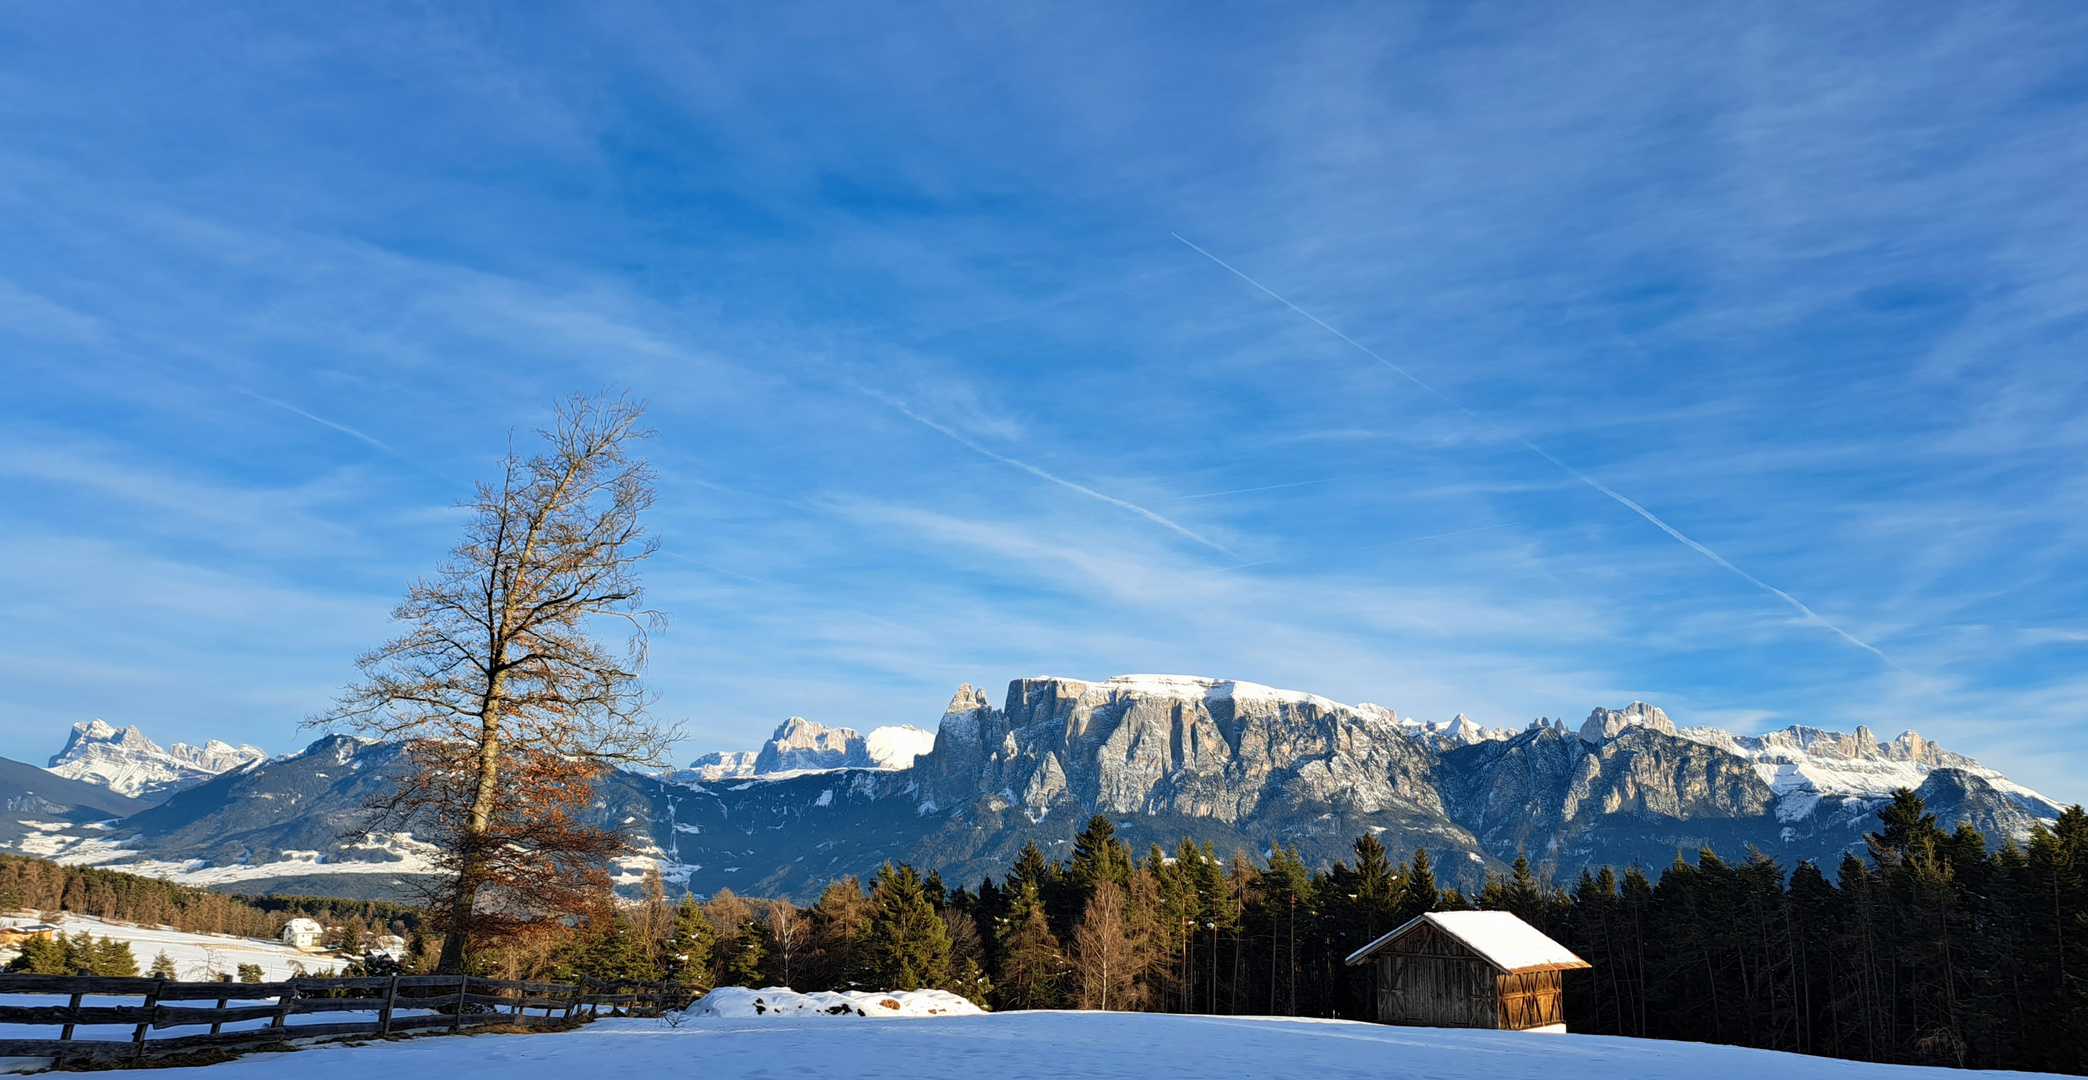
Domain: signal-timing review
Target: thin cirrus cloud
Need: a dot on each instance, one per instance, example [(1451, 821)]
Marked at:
[(1807, 303)]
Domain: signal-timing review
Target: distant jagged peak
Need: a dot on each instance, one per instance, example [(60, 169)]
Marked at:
[(968, 699), (801, 745), (1602, 725), (125, 761)]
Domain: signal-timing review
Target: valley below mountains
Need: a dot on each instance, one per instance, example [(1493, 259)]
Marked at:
[(1236, 765)]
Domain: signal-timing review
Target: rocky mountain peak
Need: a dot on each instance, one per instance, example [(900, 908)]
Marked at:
[(125, 761), (1603, 725), (799, 745), (802, 744)]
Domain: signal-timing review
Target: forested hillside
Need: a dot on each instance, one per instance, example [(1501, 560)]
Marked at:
[(35, 884)]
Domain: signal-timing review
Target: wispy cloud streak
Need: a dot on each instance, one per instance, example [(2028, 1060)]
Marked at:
[(1367, 547), (1245, 491), (342, 428), (1584, 478), (1041, 474)]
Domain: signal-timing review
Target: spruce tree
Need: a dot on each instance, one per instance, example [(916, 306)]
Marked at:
[(163, 966), (1099, 856), (905, 946), (1032, 963), (740, 951), (1418, 892), (688, 954)]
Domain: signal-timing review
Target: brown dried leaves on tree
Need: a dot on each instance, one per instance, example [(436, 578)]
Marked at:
[(505, 703)]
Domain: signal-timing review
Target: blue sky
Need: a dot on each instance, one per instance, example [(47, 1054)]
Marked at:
[(942, 397)]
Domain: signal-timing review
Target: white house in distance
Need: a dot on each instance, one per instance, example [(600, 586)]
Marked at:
[(303, 934)]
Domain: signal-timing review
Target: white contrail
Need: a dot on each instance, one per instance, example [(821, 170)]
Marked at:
[(1037, 472), (1568, 469), (320, 420), (1368, 547), (1243, 491)]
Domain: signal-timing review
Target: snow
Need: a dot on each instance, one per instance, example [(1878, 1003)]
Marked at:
[(775, 1002), (197, 957), (92, 845), (1195, 686), (1017, 1046), (1803, 764), (895, 746), (1508, 942), (128, 763)]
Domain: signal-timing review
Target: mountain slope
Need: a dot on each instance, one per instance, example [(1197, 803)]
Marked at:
[(26, 789), (1240, 766)]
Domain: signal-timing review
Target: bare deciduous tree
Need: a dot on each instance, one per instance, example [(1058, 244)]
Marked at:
[(506, 703), (787, 934), (1109, 952)]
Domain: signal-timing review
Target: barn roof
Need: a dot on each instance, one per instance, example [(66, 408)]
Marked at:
[(1501, 939)]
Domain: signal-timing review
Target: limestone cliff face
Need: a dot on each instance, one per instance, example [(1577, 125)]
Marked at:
[(801, 744), (1207, 748)]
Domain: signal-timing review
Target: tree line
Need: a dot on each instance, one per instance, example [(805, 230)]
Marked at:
[(40, 885), (1935, 949)]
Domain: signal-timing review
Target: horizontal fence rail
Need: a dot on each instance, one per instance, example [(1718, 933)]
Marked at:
[(391, 1005)]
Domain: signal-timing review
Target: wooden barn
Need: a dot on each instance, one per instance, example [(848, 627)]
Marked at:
[(1472, 969)]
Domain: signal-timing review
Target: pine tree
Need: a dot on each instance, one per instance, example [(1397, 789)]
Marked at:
[(609, 946), (837, 920), (688, 953), (1418, 892), (1032, 964), (163, 966), (1099, 856), (109, 956), (739, 953), (906, 946), (1909, 829), (47, 954)]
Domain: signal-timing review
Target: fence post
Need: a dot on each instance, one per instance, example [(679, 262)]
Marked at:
[(463, 987), (384, 1015), (71, 1017), (145, 1025), (222, 1002), (573, 999), (282, 1013)]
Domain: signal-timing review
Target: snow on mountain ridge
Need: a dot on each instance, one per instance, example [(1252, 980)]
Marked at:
[(1803, 765), (800, 745), (127, 762)]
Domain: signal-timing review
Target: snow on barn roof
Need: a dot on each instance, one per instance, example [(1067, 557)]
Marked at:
[(1499, 938)]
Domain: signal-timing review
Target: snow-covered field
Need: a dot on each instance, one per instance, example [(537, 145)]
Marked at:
[(1009, 1046), (783, 1003), (197, 957)]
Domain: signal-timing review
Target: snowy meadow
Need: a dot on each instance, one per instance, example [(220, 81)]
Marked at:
[(1008, 1046)]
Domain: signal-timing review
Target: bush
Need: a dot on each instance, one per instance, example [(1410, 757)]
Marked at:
[(80, 954)]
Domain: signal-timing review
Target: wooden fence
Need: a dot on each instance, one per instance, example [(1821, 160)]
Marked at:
[(443, 1004)]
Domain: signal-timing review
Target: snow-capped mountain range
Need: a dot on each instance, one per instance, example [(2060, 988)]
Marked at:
[(126, 762), (1239, 765)]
